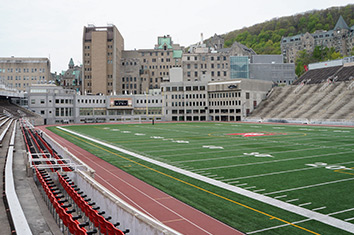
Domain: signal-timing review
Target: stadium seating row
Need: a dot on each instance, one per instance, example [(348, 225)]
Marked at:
[(56, 197)]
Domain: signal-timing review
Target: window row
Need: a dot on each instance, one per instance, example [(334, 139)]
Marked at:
[(191, 104), (225, 95), (63, 112), (188, 96), (22, 70), (225, 103), (187, 88), (63, 101), (18, 78), (205, 66), (218, 58), (91, 101), (224, 110), (154, 53), (149, 101)]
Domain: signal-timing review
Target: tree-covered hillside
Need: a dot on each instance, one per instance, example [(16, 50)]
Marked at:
[(264, 38)]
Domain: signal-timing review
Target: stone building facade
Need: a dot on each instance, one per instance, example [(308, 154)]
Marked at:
[(20, 73), (341, 38), (71, 78)]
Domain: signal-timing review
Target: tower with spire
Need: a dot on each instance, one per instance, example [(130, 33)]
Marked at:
[(71, 63)]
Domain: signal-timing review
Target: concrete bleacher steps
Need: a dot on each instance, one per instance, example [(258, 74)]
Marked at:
[(319, 111), (267, 106), (290, 109), (341, 107), (314, 101)]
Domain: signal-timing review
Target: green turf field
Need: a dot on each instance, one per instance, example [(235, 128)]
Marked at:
[(311, 167)]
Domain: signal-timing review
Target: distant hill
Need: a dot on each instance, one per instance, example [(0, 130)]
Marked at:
[(264, 38)]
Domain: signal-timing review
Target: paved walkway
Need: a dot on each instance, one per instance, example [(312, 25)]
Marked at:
[(157, 204)]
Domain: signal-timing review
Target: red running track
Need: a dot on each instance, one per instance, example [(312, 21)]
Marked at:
[(150, 200)]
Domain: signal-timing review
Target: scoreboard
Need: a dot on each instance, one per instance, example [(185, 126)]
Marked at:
[(121, 103)]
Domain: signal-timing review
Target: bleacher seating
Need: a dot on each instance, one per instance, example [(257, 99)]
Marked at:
[(72, 210), (316, 76), (320, 94)]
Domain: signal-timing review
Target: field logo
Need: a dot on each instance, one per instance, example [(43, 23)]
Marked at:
[(254, 134), (212, 147), (257, 154)]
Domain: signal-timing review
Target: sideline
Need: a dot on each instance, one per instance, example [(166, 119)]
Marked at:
[(349, 227)]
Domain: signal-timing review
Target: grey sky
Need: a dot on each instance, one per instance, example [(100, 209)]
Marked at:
[(48, 28)]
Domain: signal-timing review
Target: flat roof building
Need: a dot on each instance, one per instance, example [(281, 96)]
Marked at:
[(20, 72)]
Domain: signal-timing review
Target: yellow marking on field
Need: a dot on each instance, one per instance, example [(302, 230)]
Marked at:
[(343, 171), (192, 185)]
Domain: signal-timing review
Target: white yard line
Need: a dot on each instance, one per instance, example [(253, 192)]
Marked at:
[(320, 208), (305, 204), (309, 186), (259, 197), (349, 219), (267, 162), (340, 212), (279, 226), (293, 200), (280, 196), (250, 187), (296, 222)]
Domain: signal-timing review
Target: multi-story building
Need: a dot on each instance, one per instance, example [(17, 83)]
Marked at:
[(102, 52), (145, 69), (204, 63), (71, 78), (20, 73), (272, 68), (109, 69), (176, 101), (229, 100), (57, 105), (341, 38)]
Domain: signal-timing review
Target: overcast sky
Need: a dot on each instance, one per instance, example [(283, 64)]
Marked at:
[(53, 29)]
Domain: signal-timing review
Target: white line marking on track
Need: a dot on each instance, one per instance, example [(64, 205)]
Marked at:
[(349, 219)]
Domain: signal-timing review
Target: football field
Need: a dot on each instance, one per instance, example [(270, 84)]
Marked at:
[(258, 178)]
